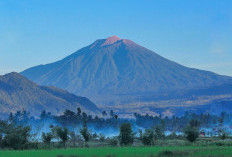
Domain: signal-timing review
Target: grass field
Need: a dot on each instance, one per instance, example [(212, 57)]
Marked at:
[(123, 152)]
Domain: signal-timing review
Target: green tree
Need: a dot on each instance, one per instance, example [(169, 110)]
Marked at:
[(159, 134), (78, 111), (126, 136), (223, 135), (148, 137), (63, 135), (85, 133), (73, 138), (111, 113), (192, 130), (15, 136), (101, 137), (140, 134), (94, 136), (47, 137), (54, 131), (104, 113), (113, 141)]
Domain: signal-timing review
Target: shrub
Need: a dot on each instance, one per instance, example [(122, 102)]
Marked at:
[(168, 153), (223, 136), (16, 136)]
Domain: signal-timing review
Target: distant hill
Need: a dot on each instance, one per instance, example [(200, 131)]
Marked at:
[(109, 71), (17, 93)]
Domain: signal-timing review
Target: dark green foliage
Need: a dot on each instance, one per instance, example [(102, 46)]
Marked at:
[(194, 123), (0, 139), (168, 153), (54, 130), (63, 135), (47, 137), (116, 117), (172, 136), (159, 133), (148, 137), (94, 136), (114, 141), (85, 133), (223, 136), (78, 111), (15, 136), (112, 113), (60, 133), (192, 134), (104, 113), (101, 137), (192, 130), (140, 134), (126, 136)]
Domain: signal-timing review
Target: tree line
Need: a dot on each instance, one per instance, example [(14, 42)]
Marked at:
[(17, 132)]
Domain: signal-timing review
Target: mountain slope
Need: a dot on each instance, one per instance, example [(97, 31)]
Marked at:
[(17, 93), (112, 67)]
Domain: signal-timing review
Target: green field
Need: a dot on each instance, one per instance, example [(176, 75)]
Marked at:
[(123, 152)]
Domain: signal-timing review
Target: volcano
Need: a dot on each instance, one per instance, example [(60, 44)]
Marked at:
[(111, 70)]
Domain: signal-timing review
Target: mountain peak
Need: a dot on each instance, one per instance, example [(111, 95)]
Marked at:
[(111, 40), (13, 75), (119, 71)]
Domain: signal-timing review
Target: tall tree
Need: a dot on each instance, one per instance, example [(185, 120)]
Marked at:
[(126, 135), (85, 133), (63, 135), (192, 130), (73, 138), (47, 137), (148, 137)]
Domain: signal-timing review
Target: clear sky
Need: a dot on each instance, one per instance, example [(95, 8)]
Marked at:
[(195, 33)]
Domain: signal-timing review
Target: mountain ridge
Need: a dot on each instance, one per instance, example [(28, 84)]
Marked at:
[(18, 93)]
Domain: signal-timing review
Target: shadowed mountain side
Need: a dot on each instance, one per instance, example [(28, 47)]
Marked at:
[(17, 93)]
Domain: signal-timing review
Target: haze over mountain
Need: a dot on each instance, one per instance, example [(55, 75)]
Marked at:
[(109, 70), (17, 93)]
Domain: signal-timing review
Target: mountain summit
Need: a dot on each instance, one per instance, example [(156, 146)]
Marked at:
[(111, 40), (111, 69)]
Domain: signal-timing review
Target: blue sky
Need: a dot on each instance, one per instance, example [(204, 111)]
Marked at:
[(195, 33)]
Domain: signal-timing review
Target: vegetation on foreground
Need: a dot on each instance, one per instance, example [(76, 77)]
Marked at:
[(180, 151), (17, 138)]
